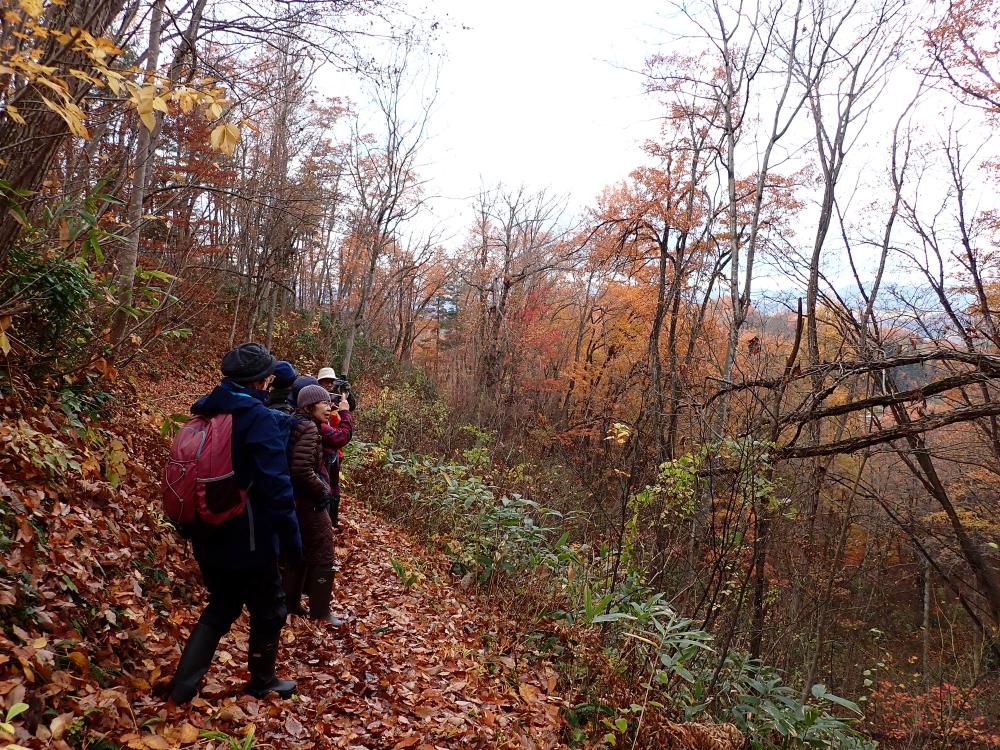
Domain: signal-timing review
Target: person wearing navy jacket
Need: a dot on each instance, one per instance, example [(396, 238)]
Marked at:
[(239, 558)]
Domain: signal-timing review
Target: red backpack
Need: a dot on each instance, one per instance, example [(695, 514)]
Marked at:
[(198, 481)]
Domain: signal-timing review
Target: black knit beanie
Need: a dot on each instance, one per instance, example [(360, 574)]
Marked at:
[(248, 363), (300, 382)]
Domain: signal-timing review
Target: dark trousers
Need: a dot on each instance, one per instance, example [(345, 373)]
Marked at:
[(257, 589)]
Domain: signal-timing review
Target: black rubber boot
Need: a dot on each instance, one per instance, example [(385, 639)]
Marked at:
[(319, 588), (194, 663), (263, 680), (293, 578), (335, 511)]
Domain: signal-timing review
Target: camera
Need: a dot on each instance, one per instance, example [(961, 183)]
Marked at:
[(340, 386), (340, 389)]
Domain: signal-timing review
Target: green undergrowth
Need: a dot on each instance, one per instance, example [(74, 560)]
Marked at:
[(519, 551)]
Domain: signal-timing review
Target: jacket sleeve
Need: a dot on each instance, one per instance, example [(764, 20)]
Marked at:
[(266, 441), (337, 436), (305, 449)]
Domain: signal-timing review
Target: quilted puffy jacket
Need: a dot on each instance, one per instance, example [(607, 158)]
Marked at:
[(305, 460)]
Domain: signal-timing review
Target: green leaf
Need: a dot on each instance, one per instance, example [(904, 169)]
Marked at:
[(16, 710), (849, 705), (154, 274), (684, 673)]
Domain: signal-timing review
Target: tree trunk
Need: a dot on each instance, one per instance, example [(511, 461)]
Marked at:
[(145, 145)]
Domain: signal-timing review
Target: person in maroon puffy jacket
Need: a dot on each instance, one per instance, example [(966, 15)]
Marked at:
[(311, 483)]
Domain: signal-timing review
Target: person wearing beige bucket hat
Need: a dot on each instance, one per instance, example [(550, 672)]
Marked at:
[(336, 433)]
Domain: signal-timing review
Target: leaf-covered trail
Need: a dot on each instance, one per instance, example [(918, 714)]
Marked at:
[(408, 670), (411, 668), (98, 594)]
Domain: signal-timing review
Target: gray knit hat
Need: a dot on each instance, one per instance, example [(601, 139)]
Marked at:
[(312, 394)]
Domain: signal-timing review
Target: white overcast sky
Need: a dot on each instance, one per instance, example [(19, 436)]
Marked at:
[(543, 93), (548, 94)]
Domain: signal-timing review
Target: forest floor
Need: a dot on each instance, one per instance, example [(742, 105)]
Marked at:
[(412, 667), (98, 595)]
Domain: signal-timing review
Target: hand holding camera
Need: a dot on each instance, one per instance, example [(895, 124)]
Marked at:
[(343, 398)]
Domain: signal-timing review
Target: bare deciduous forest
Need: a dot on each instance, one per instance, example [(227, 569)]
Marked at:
[(710, 458)]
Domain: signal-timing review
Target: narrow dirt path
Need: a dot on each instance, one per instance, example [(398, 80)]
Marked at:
[(409, 669)]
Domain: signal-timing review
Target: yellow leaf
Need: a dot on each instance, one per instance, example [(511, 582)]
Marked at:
[(32, 7), (59, 724), (231, 137), (114, 80), (71, 114), (224, 138), (215, 110), (189, 734), (11, 17), (216, 137), (160, 105), (13, 114), (4, 344), (148, 119), (143, 98), (84, 76), (57, 86), (156, 742)]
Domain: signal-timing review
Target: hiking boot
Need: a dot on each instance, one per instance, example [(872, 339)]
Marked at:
[(263, 680), (293, 578), (319, 588), (194, 663)]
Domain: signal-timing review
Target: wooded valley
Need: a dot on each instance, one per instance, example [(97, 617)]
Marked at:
[(719, 446)]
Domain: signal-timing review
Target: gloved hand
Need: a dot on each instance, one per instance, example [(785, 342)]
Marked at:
[(351, 401), (324, 502)]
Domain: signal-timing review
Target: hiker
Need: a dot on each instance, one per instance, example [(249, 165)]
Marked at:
[(327, 377), (314, 575), (300, 382), (239, 557), (281, 387), (337, 433)]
